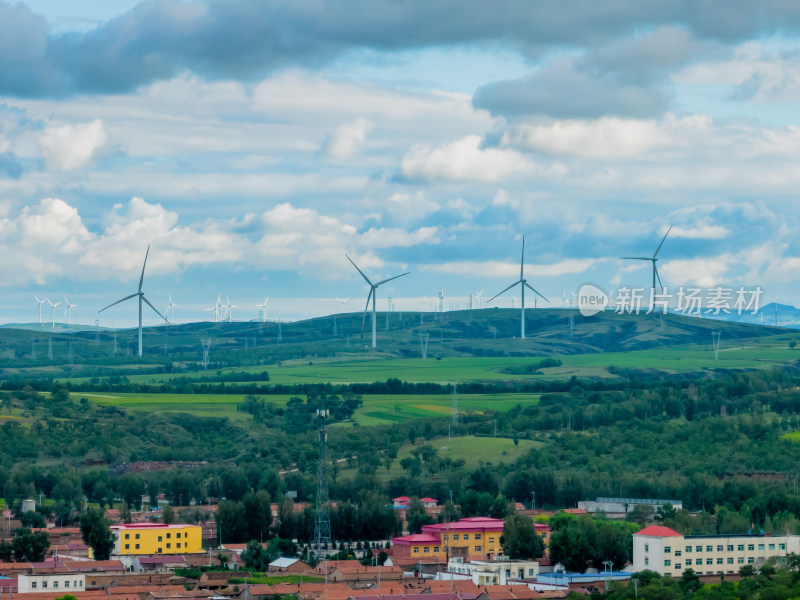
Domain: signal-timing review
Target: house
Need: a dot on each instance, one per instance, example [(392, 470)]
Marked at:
[(494, 572), (401, 502), (53, 583), (667, 552), (156, 538), (619, 507), (288, 565), (429, 502)]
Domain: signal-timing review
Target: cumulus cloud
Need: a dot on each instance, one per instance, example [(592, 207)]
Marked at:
[(68, 147), (493, 268), (463, 160), (347, 139)]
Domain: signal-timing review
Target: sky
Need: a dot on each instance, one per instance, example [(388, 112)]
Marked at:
[(252, 143)]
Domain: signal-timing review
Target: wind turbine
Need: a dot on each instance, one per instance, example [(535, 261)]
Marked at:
[(53, 311), (215, 308), (522, 283), (40, 307), (373, 288), (171, 309), (478, 297), (653, 259), (141, 296), (343, 300), (68, 311), (229, 309), (263, 311)]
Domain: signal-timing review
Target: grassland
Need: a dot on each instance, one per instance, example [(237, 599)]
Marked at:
[(473, 450), (376, 410)]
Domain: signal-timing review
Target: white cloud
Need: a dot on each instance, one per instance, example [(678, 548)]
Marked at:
[(703, 272), (406, 206), (464, 160), (701, 232), (69, 147), (494, 268), (347, 139)]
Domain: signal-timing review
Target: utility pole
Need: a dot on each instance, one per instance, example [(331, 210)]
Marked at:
[(455, 407)]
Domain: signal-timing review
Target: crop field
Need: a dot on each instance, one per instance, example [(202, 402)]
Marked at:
[(682, 359), (376, 410), (473, 450)]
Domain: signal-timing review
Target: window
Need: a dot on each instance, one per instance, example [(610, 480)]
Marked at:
[(137, 546), (33, 585), (169, 535), (159, 538), (730, 547), (698, 548), (158, 551), (76, 583), (491, 539), (455, 537), (127, 536), (781, 546), (688, 562), (740, 548), (647, 547), (667, 549), (55, 585), (477, 536), (478, 548), (646, 560), (178, 535), (730, 560), (531, 573), (677, 566), (416, 549), (667, 563), (720, 548), (751, 547), (66, 584), (761, 546), (136, 536), (677, 552), (772, 546), (435, 548), (466, 537), (688, 549), (178, 545), (719, 561), (709, 561), (750, 560), (127, 546), (426, 550), (170, 546), (709, 548), (44, 584), (740, 560)]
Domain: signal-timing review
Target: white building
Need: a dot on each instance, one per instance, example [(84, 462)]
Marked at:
[(665, 551), (619, 507), (493, 572), (57, 583)]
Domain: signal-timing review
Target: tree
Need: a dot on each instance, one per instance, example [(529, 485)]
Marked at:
[(747, 571), (96, 534), (32, 519), (168, 515), (690, 582), (258, 514), (255, 556), (519, 539), (30, 547), (125, 513), (417, 517)]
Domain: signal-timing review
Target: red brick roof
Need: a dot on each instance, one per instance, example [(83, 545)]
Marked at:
[(417, 538), (658, 531)]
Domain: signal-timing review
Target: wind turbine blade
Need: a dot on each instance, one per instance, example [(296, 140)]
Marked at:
[(390, 278), (527, 285), (154, 308), (359, 270), (662, 241), (141, 279), (636, 258), (366, 307), (118, 301), (504, 291)]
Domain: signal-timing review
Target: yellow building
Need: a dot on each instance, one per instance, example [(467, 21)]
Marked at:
[(155, 538)]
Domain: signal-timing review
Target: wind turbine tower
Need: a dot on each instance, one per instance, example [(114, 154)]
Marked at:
[(263, 312), (68, 311), (40, 302), (373, 289), (140, 295), (170, 312), (322, 518), (53, 312), (522, 283)]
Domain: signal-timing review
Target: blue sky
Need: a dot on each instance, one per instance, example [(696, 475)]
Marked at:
[(253, 143)]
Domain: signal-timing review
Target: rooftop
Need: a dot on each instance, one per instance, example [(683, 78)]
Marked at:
[(658, 531), (151, 526)]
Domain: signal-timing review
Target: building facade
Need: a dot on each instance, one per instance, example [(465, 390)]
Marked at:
[(56, 583), (494, 572), (156, 538), (665, 551)]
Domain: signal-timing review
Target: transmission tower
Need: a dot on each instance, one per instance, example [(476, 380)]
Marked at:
[(423, 340), (715, 338), (322, 518), (206, 348)]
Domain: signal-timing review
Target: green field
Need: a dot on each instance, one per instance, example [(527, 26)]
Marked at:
[(682, 359), (474, 450), (376, 410)]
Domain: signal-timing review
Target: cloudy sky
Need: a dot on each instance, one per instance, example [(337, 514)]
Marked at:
[(252, 143)]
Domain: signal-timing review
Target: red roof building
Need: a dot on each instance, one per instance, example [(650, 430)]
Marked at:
[(658, 531)]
